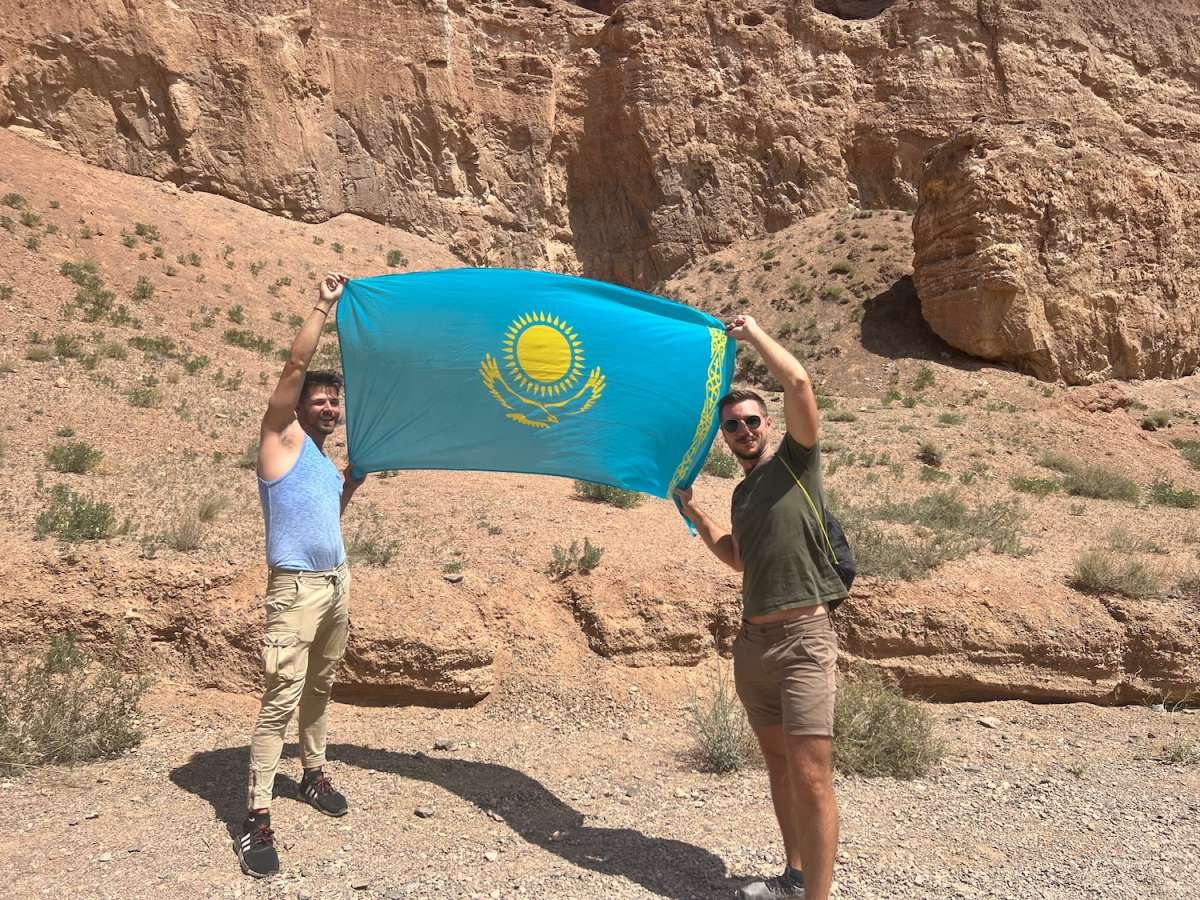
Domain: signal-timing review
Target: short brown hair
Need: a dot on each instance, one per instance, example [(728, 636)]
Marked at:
[(320, 378), (738, 397)]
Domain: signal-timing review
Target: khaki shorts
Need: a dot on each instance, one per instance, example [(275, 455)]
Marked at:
[(786, 674)]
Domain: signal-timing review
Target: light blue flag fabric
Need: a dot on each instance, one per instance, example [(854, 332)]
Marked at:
[(522, 371)]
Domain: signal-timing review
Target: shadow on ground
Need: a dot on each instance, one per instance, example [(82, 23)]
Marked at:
[(664, 866)]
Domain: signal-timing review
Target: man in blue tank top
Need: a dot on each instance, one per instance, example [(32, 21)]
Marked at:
[(308, 586)]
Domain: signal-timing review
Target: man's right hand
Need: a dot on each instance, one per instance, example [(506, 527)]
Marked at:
[(684, 496), (331, 288)]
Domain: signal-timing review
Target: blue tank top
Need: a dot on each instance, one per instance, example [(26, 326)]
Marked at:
[(302, 512)]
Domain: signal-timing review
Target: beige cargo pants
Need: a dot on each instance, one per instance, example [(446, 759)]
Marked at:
[(307, 626)]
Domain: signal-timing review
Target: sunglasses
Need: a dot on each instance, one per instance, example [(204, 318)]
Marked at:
[(731, 425)]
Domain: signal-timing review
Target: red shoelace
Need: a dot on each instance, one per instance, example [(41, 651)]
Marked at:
[(264, 835)]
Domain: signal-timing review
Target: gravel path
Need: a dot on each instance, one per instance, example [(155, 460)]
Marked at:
[(1039, 801)]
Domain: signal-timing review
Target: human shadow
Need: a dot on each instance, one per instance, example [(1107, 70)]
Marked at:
[(665, 866)]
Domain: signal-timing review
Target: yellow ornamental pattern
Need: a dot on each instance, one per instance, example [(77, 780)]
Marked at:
[(543, 364), (712, 393)]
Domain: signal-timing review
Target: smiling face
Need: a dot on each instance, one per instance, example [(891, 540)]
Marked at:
[(746, 443), (320, 409)]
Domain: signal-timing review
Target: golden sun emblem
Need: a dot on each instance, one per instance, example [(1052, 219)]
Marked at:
[(544, 360)]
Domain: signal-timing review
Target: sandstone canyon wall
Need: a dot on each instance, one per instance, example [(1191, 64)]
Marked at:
[(622, 140)]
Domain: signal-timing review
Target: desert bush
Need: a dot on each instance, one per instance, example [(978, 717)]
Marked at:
[(186, 532), (143, 290), (236, 314), (603, 493), (66, 707), (1099, 483), (880, 732), (1122, 540), (77, 457), (1180, 751), (930, 454), (396, 259), (369, 543), (210, 507), (6, 292), (1189, 450), (73, 517), (1103, 572), (66, 346), (32, 243), (30, 219), (1039, 487), (145, 396), (930, 475), (721, 464), (842, 415), (1164, 493), (717, 721), (1059, 462), (14, 201), (248, 340), (568, 561), (148, 233), (249, 456), (336, 247), (161, 347), (924, 378), (949, 418)]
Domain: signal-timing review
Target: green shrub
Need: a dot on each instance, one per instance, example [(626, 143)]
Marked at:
[(930, 454), (1100, 483), (949, 418), (1189, 450), (32, 243), (30, 219), (194, 364), (723, 739), (1122, 540), (1059, 462), (842, 267), (369, 543), (67, 707), (879, 732), (161, 347), (396, 259), (930, 475), (614, 496), (923, 379), (77, 457), (1039, 487), (66, 346), (14, 201), (186, 533), (143, 290), (842, 415), (336, 247), (564, 562), (1103, 572), (72, 517), (249, 340), (236, 314), (1180, 751), (721, 464), (1164, 493), (145, 396), (249, 457)]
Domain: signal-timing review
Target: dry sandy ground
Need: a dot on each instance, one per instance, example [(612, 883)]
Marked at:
[(544, 798)]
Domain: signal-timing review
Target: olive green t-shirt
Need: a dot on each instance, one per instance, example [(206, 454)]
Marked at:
[(785, 560)]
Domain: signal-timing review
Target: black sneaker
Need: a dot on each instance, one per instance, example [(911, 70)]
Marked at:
[(789, 884), (256, 847), (317, 789)]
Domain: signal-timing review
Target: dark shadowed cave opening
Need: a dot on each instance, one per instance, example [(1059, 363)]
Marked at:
[(853, 9)]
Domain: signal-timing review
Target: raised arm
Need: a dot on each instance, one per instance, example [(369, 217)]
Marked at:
[(281, 408), (717, 539), (799, 402)]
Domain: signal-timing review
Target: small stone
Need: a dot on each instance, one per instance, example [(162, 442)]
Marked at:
[(424, 812), (105, 857), (495, 816), (989, 722), (491, 856), (360, 885), (443, 744), (453, 577), (92, 815), (627, 736)]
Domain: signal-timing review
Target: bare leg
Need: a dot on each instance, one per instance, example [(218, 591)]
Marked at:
[(774, 751), (810, 774)]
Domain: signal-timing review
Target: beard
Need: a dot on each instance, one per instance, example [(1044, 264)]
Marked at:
[(750, 455)]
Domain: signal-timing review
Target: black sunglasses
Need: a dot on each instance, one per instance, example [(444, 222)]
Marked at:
[(731, 425)]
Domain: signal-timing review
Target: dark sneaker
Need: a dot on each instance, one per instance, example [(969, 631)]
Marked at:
[(789, 884), (256, 847), (317, 789)]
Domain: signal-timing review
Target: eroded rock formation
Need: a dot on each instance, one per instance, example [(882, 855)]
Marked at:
[(1075, 261)]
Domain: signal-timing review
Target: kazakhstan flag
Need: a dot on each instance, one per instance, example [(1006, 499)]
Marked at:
[(518, 371)]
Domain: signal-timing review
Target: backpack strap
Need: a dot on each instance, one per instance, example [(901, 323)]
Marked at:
[(816, 513)]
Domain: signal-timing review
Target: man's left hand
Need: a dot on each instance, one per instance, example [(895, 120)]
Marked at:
[(741, 328)]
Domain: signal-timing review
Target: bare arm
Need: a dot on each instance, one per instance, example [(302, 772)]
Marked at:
[(349, 486), (281, 408), (799, 401), (718, 540)]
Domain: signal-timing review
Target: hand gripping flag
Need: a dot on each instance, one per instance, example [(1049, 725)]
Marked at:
[(520, 371)]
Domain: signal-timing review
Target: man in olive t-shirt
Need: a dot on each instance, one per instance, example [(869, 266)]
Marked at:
[(785, 656)]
